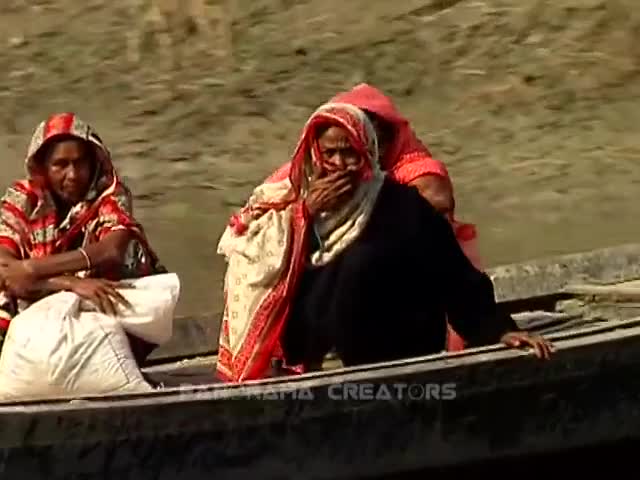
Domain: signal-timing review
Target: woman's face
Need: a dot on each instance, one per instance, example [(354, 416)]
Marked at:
[(68, 167), (336, 151)]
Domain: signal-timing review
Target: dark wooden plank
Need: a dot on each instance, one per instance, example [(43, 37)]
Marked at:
[(198, 335)]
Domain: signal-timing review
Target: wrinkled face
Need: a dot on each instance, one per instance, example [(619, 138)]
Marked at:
[(337, 152), (68, 167)]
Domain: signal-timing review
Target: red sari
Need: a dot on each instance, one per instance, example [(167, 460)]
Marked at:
[(406, 159)]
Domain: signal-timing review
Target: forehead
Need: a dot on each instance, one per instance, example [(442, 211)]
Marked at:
[(69, 147), (334, 136)]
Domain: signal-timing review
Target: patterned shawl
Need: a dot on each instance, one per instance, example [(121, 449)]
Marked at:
[(265, 245), (29, 223)]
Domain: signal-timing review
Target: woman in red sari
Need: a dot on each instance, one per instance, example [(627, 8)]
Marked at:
[(321, 260), (407, 161), (69, 226)]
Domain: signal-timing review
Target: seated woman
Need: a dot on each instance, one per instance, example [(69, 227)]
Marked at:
[(406, 160), (402, 155), (69, 226), (322, 260)]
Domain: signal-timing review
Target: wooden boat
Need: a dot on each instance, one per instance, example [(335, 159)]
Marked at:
[(506, 403)]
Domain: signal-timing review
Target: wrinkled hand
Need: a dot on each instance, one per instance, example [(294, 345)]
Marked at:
[(17, 277), (102, 293), (541, 347), (327, 192)]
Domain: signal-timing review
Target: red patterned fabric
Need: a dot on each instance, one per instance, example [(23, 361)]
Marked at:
[(407, 158), (261, 344), (306, 147), (29, 223)]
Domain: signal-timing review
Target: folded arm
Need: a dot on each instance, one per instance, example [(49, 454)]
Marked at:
[(108, 252), (34, 278)]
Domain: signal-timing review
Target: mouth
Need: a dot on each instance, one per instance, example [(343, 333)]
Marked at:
[(73, 192)]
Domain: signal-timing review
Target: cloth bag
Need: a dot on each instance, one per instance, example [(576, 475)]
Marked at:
[(62, 347)]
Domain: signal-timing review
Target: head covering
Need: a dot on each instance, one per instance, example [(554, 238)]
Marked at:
[(29, 222), (65, 125), (265, 244), (406, 158), (30, 226)]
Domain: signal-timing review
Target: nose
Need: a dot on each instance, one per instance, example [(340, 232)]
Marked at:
[(341, 160), (334, 162), (72, 173)]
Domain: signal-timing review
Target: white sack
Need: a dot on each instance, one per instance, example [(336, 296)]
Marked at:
[(59, 348), (154, 300)]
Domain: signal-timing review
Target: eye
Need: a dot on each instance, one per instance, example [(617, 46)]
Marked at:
[(59, 163), (330, 152)]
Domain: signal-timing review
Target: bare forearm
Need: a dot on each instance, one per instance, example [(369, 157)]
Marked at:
[(38, 288), (105, 253), (437, 190), (61, 263), (42, 288)]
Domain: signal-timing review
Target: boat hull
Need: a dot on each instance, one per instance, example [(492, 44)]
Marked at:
[(507, 403)]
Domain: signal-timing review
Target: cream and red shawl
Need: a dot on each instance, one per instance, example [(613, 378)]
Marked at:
[(265, 245)]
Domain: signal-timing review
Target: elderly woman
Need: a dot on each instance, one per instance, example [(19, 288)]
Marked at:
[(322, 260), (406, 160), (69, 226)]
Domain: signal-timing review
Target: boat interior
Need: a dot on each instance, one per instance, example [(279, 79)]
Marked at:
[(577, 309)]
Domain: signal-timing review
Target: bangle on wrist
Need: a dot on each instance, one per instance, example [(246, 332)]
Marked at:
[(86, 258)]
